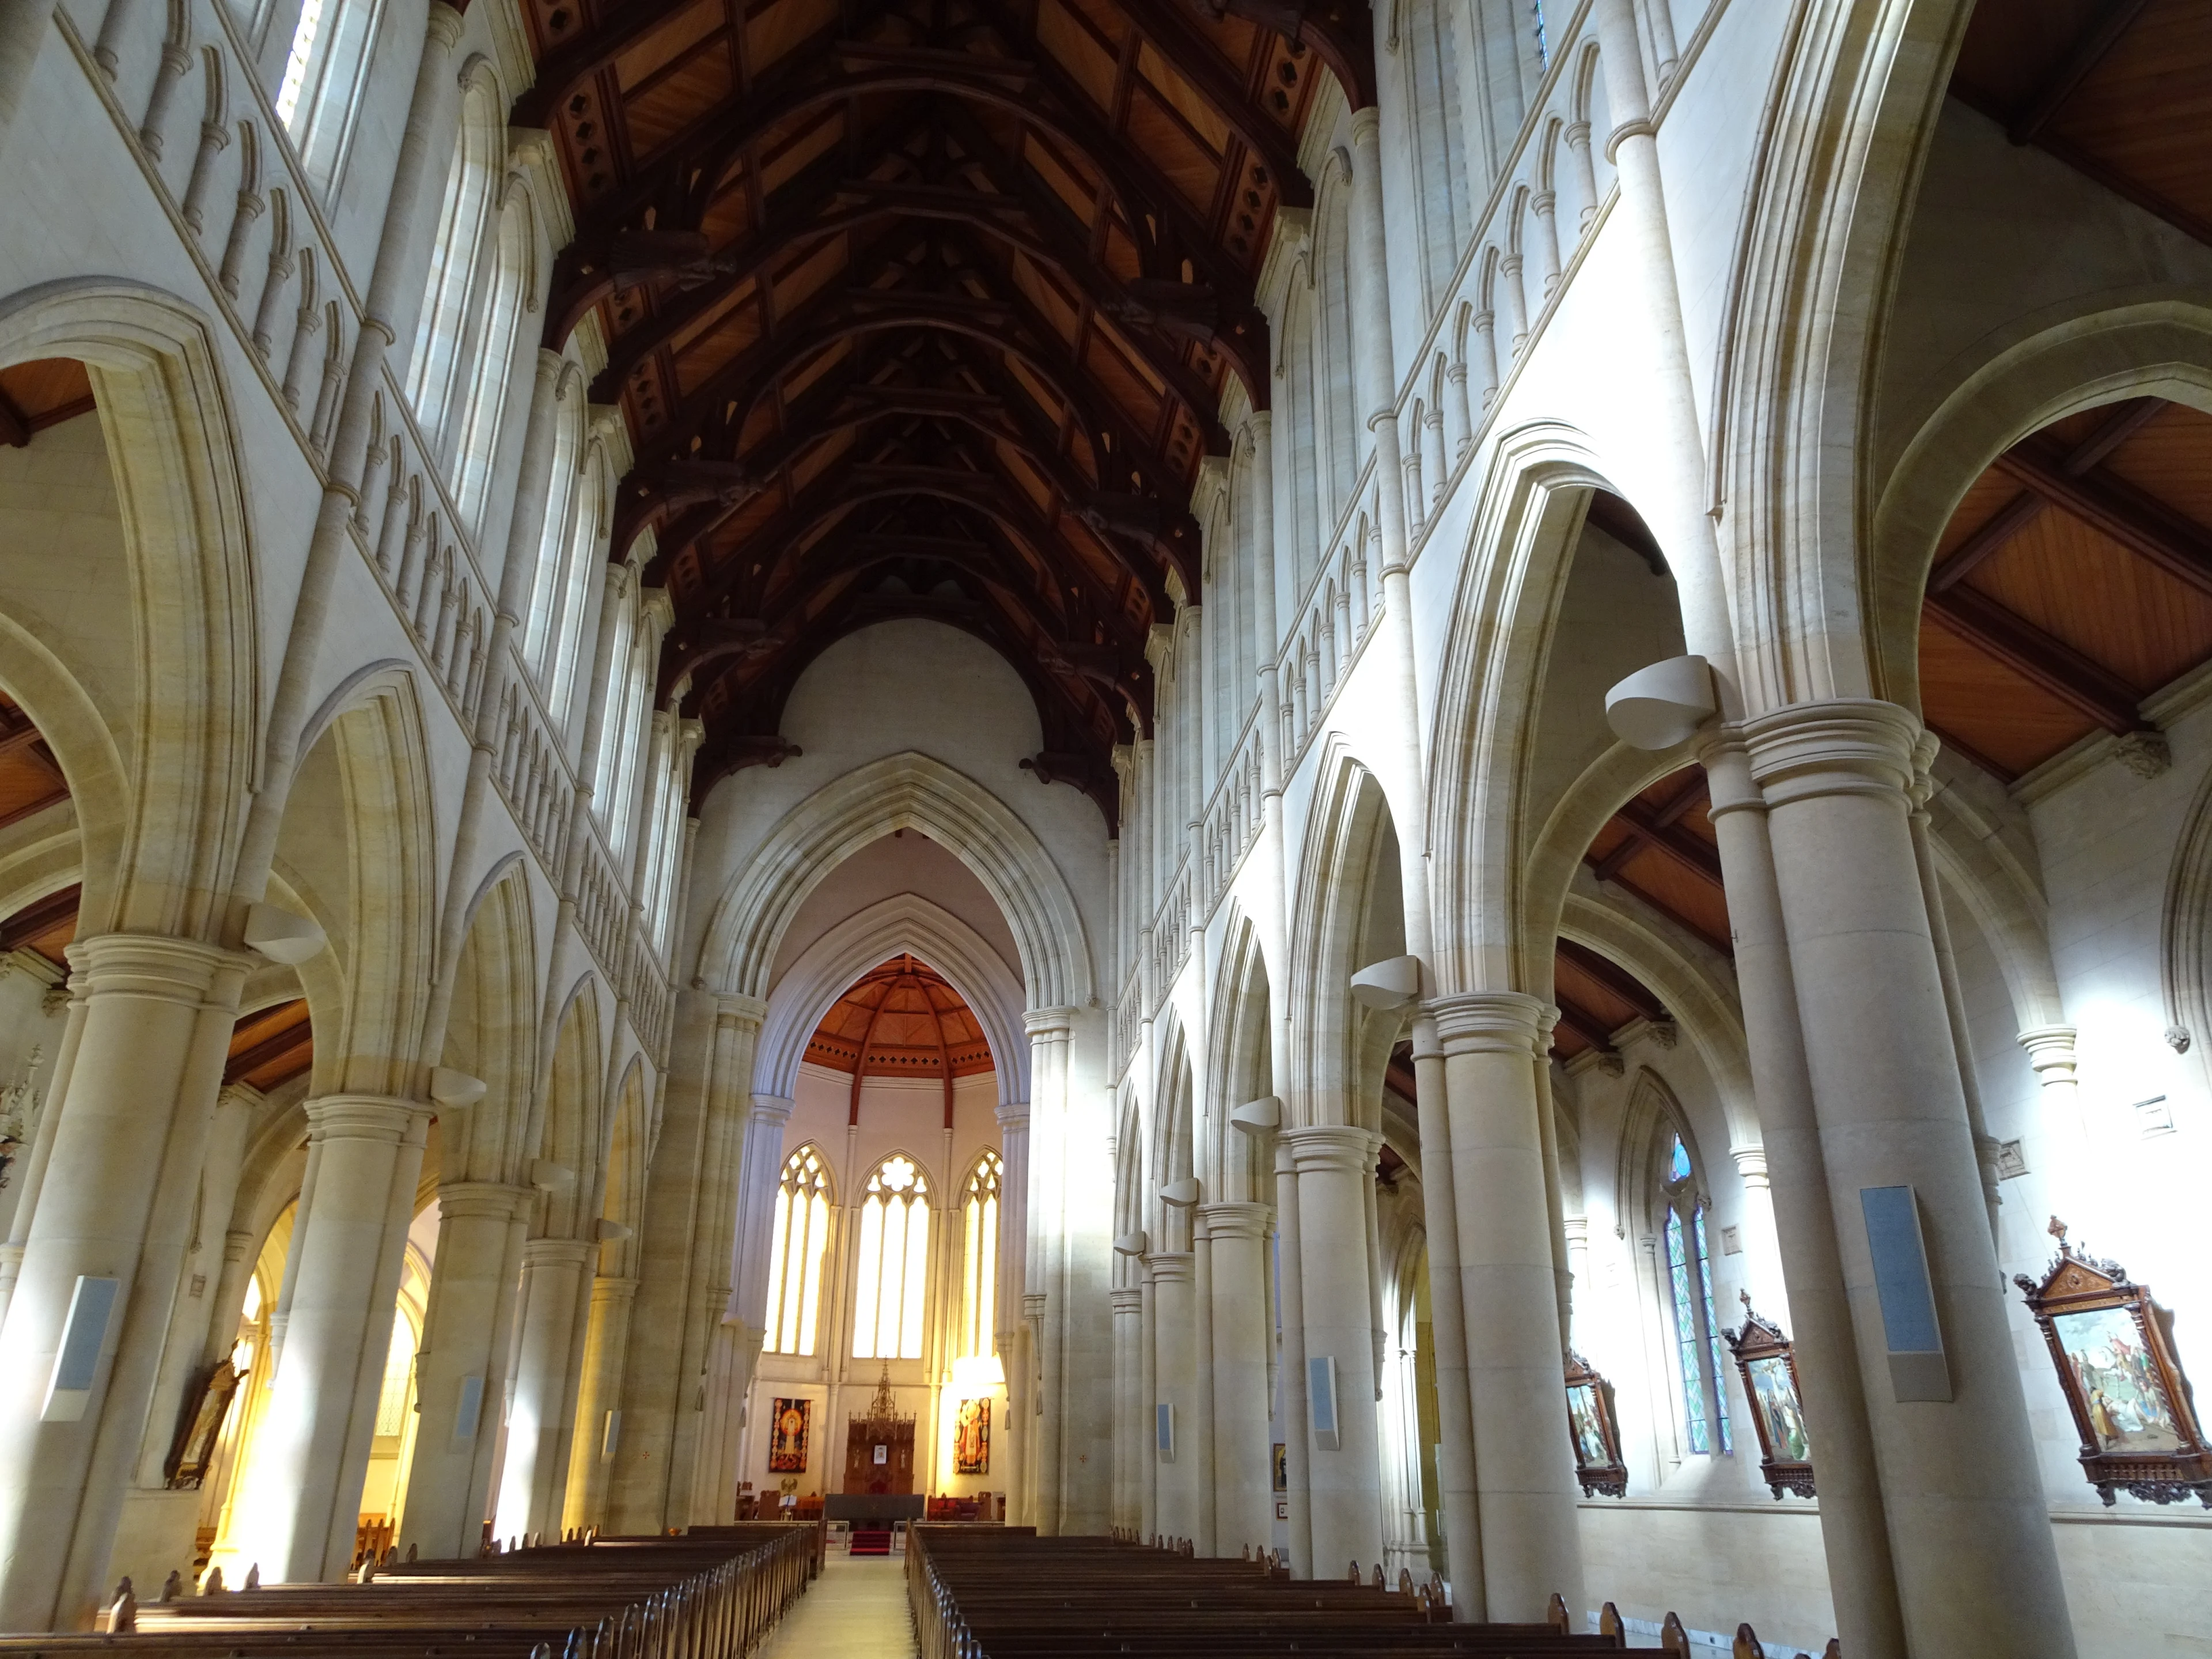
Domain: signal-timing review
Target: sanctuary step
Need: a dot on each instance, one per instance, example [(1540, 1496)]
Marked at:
[(708, 1597), (1007, 1594)]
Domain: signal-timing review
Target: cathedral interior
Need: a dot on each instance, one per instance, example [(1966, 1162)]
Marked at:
[(1178, 799)]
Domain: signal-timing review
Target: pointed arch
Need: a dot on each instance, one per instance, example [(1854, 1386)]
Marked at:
[(907, 923), (900, 791), (164, 413)]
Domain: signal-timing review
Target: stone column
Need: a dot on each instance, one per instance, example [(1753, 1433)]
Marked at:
[(1243, 1482), (1199, 1447), (1175, 1386), (1335, 1162), (1298, 1432), (198, 1298), (1012, 1453), (1130, 1440), (350, 1242), (32, 1168), (1455, 1471), (461, 1370), (1147, 1466), (114, 1206), (1524, 1470), (598, 1441), (1977, 1569), (531, 1480)]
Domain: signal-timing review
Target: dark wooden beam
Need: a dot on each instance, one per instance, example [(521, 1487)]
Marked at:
[(40, 916), (32, 807), (1614, 978), (293, 1042), (1199, 62), (15, 425), (1644, 831), (2137, 520), (567, 69), (2092, 167), (1587, 1026), (1341, 33), (2107, 24), (2077, 680), (1694, 929), (2015, 515)]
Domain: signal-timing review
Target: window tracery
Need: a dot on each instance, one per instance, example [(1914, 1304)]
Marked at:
[(1689, 1291), (798, 1241), (979, 1257)]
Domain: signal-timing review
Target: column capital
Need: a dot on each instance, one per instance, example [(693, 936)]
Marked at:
[(739, 1009), (1235, 1220), (1033, 1305), (1012, 1114), (180, 970), (1490, 1022), (1845, 747), (1367, 124), (1342, 1146), (1751, 1165), (1127, 1300), (772, 1108), (549, 364), (367, 1117), (1049, 1021), (610, 1287), (556, 1252), (446, 24), (1171, 1267), (489, 1199), (2051, 1053)]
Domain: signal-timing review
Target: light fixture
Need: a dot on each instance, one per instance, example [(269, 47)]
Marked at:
[(977, 1375), (1661, 706), (451, 1088), (1258, 1117), (282, 936), (1131, 1243), (1181, 1195), (1388, 985)]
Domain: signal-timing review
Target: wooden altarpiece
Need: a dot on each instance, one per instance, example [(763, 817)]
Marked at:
[(2130, 1397), (879, 1447), (1594, 1431), (1766, 1360)]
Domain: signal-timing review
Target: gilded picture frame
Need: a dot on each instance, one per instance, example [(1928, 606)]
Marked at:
[(790, 1430), (1593, 1432), (2132, 1407), (1766, 1364)]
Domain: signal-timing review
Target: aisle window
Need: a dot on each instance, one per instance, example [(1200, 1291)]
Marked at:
[(1690, 1298), (979, 1257)]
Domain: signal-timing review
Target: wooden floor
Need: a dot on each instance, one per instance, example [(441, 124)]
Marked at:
[(855, 1610)]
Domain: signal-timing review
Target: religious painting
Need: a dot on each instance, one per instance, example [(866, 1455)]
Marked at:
[(1593, 1432), (2123, 1382), (1766, 1360), (206, 1408), (971, 1438), (1282, 1462), (786, 1446)]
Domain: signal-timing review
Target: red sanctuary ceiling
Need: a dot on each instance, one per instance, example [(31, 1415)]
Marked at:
[(925, 308), (901, 1020)]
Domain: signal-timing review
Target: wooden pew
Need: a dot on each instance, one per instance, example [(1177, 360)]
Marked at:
[(699, 1598)]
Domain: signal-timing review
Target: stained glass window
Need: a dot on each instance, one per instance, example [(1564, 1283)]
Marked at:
[(890, 1301), (800, 1236), (1690, 1301), (1685, 1333)]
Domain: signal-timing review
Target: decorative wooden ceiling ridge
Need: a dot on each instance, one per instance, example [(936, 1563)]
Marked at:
[(925, 308)]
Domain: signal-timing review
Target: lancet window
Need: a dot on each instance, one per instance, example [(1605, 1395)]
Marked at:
[(1689, 1291), (800, 1239), (891, 1300), (980, 1256)]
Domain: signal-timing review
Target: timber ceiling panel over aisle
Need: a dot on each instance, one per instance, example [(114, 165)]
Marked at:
[(2074, 581), (925, 308)]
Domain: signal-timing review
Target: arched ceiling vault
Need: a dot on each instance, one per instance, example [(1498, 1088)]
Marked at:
[(925, 307)]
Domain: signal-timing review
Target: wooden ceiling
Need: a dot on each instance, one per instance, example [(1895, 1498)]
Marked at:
[(900, 1019), (35, 395), (1660, 847), (925, 308), (2074, 581), (2120, 90), (271, 1046)]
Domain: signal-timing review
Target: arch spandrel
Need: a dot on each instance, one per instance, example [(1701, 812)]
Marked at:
[(901, 792), (164, 413)]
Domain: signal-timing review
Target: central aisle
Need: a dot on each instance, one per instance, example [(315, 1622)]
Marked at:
[(855, 1610)]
